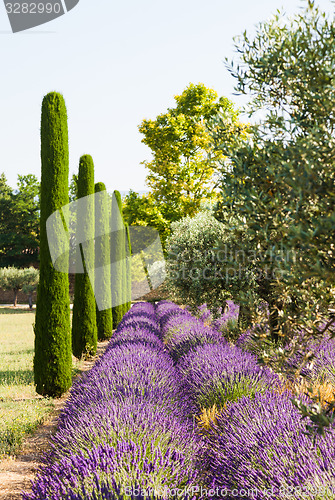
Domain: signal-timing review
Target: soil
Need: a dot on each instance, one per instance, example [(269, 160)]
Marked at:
[(16, 473)]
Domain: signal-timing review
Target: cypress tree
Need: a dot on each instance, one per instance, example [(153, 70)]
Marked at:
[(128, 269), (102, 259), (84, 321), (124, 266), (117, 259), (52, 359)]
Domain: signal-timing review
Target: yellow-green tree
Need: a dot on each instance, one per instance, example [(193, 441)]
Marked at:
[(181, 172)]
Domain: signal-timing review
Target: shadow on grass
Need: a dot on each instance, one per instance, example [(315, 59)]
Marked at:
[(18, 353), (18, 377), (13, 310)]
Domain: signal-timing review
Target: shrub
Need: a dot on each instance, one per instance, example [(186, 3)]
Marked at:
[(191, 262), (202, 265), (183, 332), (226, 322)]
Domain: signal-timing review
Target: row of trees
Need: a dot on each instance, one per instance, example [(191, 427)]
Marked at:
[(54, 340), (182, 175)]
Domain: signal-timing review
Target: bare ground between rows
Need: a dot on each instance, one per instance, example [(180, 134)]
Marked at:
[(16, 473)]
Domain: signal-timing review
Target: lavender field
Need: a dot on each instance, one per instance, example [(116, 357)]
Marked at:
[(174, 410)]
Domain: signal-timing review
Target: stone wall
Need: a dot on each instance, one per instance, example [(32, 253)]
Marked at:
[(7, 296)]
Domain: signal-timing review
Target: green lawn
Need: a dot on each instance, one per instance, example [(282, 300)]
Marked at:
[(21, 409)]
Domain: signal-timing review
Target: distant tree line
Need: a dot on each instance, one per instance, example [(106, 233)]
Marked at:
[(19, 222)]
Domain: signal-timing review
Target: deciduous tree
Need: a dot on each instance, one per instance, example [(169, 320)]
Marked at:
[(19, 222), (181, 173)]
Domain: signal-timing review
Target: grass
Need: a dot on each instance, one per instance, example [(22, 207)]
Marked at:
[(22, 410)]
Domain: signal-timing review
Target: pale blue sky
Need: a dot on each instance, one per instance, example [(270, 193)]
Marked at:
[(116, 63)]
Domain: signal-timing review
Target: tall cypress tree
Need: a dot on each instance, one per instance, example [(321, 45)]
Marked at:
[(117, 259), (102, 259), (52, 360), (128, 269), (124, 264), (84, 322)]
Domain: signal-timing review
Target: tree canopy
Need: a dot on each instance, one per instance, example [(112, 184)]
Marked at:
[(181, 172), (281, 183), (19, 222)]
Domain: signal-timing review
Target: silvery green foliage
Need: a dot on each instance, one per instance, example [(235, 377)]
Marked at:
[(192, 268), (157, 272), (201, 264)]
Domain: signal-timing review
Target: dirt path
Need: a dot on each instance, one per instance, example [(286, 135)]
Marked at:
[(17, 473)]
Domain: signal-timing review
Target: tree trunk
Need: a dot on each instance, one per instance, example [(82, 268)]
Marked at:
[(274, 321), (15, 297), (244, 317), (30, 301)]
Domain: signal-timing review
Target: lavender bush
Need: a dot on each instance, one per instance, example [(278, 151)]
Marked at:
[(260, 445), (225, 322), (183, 332), (220, 373), (108, 490)]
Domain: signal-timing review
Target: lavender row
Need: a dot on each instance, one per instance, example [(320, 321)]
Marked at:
[(258, 443), (126, 419), (322, 365), (223, 319), (182, 332), (215, 371)]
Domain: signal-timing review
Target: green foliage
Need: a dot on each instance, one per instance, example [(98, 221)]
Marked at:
[(143, 210), (84, 321), (281, 184), (128, 269), (199, 263), (52, 360), (12, 278), (181, 171), (102, 258), (118, 245), (19, 222), (73, 190)]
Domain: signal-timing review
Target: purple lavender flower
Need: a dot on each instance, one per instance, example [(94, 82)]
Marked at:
[(183, 332), (205, 313), (228, 318), (128, 463), (218, 373), (260, 443)]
